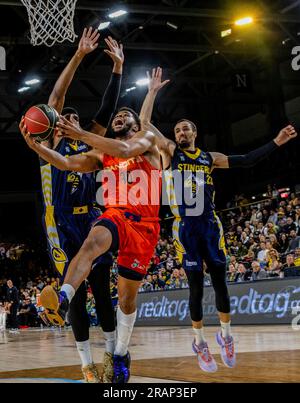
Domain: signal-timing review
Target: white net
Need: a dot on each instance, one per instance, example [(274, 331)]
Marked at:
[(51, 21)]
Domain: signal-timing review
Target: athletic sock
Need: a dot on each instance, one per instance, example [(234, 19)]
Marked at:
[(225, 329), (199, 336), (110, 341), (125, 325), (84, 350), (69, 290)]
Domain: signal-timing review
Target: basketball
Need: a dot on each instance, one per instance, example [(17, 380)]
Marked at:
[(41, 121)]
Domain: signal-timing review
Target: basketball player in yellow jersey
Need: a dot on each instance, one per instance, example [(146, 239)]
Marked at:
[(200, 236), (69, 198)]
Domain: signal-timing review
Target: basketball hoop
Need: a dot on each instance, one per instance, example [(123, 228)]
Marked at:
[(51, 21)]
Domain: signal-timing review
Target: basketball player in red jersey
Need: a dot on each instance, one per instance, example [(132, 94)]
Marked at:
[(129, 225)]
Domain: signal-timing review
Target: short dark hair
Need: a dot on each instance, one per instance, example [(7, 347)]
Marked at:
[(68, 110), (134, 114), (194, 127)]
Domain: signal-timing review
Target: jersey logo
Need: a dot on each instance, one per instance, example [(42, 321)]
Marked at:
[(137, 265), (59, 255), (74, 178), (74, 145)]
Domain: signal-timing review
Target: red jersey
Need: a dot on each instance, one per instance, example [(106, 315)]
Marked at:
[(132, 184)]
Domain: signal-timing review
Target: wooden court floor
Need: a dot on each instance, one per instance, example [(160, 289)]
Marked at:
[(160, 354)]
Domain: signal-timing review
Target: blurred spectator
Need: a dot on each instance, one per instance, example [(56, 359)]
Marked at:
[(147, 284), (262, 254), (289, 226), (289, 268), (257, 272), (27, 315), (242, 273), (232, 272), (289, 262), (273, 263), (297, 257), (294, 241), (12, 299), (283, 242)]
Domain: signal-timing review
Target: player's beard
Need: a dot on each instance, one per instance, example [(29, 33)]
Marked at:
[(123, 132), (184, 144)]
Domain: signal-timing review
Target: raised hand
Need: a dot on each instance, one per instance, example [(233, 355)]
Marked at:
[(69, 128), (156, 82), (115, 51), (286, 134), (88, 41)]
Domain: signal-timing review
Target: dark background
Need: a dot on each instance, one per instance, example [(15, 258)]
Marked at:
[(202, 67)]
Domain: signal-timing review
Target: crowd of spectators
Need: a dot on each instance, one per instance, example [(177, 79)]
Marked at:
[(262, 241)]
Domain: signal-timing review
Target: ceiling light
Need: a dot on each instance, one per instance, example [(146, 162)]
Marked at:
[(244, 21), (104, 25), (117, 14), (22, 89), (172, 25), (130, 89), (226, 32), (32, 82)]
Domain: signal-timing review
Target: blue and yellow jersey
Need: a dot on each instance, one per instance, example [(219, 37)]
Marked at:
[(187, 165), (65, 188), (68, 200)]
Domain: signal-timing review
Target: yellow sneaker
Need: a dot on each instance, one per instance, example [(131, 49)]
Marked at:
[(108, 368), (56, 305), (90, 374)]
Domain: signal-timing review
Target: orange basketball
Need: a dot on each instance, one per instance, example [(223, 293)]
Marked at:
[(40, 121)]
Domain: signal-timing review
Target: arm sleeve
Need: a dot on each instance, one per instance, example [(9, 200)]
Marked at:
[(252, 158), (109, 100)]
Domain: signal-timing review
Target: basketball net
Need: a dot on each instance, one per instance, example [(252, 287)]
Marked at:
[(51, 21)]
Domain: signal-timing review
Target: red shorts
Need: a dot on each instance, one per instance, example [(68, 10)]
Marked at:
[(137, 239)]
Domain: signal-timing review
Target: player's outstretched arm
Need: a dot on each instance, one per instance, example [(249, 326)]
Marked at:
[(155, 84), (253, 157), (137, 145), (87, 44), (112, 92), (88, 162)]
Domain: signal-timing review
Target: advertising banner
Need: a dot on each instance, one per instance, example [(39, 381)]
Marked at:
[(274, 301)]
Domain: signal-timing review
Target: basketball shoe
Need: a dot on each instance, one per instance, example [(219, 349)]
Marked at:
[(108, 368), (90, 373), (205, 360), (55, 304), (227, 350), (121, 368)]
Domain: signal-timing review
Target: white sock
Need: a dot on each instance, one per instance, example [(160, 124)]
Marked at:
[(225, 329), (199, 336), (110, 341), (84, 350), (125, 325), (69, 290)]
